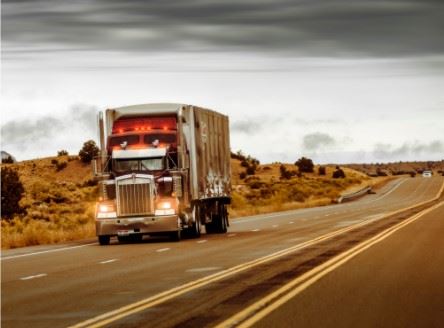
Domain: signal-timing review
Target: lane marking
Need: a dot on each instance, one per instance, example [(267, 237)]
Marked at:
[(232, 235), (40, 275), (291, 222), (202, 241), (160, 250), (255, 230), (260, 309), (203, 269), (108, 261), (127, 310), (47, 251), (275, 225)]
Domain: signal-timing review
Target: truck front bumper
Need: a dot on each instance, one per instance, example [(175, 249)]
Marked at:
[(137, 225)]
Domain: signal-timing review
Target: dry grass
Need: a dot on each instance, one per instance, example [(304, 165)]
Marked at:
[(265, 192), (58, 204)]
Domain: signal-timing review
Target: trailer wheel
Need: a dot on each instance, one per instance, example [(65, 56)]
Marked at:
[(222, 220), (194, 230), (104, 240), (175, 235)]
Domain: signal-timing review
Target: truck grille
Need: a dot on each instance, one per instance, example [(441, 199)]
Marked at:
[(134, 196)]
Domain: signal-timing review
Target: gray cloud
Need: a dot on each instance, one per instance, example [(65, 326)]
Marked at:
[(27, 133), (333, 28), (316, 141), (247, 126), (387, 151)]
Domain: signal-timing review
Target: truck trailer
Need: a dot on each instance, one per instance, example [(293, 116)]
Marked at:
[(162, 169)]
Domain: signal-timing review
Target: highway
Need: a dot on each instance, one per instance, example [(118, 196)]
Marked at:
[(213, 280)]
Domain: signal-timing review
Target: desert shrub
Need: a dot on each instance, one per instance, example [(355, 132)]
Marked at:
[(322, 170), (238, 155), (242, 175), (61, 165), (90, 183), (88, 151), (62, 153), (338, 173), (380, 173), (266, 168), (8, 160), (255, 184), (285, 174), (12, 192), (54, 161), (244, 163), (304, 165), (251, 170)]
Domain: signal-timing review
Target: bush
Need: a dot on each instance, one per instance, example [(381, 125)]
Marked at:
[(243, 175), (339, 173), (7, 160), (12, 191), (88, 151), (62, 153), (61, 165), (285, 174), (304, 165), (322, 170), (54, 161), (251, 170)]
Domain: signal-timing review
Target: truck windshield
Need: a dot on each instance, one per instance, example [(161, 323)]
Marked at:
[(144, 164)]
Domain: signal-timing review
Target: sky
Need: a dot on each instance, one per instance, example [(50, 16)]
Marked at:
[(338, 81)]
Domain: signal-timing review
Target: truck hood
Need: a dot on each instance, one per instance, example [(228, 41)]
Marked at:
[(138, 153)]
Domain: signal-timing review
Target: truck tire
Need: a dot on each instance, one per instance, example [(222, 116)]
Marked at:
[(194, 230), (221, 223), (104, 240), (175, 235)]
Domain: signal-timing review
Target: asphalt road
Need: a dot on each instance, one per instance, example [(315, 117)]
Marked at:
[(64, 285), (397, 283)]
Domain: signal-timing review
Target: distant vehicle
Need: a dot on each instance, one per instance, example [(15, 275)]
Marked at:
[(163, 169), (427, 174)]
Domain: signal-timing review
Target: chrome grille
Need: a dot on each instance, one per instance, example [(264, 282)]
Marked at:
[(134, 196)]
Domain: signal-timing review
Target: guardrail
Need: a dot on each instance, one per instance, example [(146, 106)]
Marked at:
[(354, 195)]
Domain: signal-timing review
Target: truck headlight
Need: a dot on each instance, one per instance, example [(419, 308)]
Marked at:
[(165, 207), (106, 210)]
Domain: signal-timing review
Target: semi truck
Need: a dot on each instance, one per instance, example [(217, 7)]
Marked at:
[(162, 169)]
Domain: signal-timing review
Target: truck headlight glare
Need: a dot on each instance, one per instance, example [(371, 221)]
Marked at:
[(105, 211)]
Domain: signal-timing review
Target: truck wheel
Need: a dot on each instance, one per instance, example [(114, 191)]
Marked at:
[(209, 228), (195, 229), (221, 222), (104, 240), (175, 235)]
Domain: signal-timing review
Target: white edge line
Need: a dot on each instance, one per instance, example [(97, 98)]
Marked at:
[(160, 250), (108, 261), (47, 251), (40, 275)]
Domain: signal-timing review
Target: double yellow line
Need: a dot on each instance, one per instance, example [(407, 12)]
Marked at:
[(271, 302), (122, 312)]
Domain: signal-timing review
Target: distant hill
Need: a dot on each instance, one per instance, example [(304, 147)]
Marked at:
[(399, 168)]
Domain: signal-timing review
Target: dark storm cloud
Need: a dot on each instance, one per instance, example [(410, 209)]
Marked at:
[(321, 28), (316, 141), (28, 133), (387, 151)]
